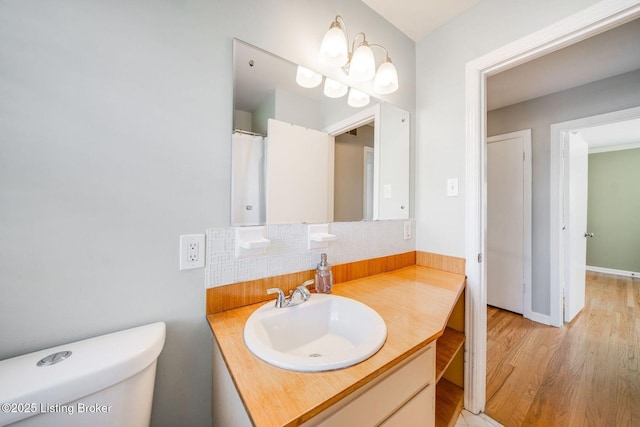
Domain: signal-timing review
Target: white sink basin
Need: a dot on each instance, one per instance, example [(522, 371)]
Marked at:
[(324, 333)]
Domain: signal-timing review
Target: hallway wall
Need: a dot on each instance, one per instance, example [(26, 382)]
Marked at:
[(612, 94)]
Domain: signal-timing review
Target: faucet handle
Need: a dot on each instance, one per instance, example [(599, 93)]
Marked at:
[(308, 283), (304, 290), (280, 300)]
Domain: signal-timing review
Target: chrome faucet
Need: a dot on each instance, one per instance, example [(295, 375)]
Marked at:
[(297, 296)]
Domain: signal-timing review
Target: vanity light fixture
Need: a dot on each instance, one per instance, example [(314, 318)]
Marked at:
[(386, 80), (334, 51), (334, 89), (359, 63), (357, 98), (307, 78), (362, 66)]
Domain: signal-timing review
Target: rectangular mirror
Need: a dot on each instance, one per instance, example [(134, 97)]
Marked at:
[(299, 156)]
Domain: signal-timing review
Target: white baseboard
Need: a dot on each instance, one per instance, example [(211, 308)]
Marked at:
[(613, 271), (540, 318)]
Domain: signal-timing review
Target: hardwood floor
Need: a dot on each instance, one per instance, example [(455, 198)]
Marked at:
[(585, 374)]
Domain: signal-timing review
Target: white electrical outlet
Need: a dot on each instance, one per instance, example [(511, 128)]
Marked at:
[(407, 230), (191, 251)]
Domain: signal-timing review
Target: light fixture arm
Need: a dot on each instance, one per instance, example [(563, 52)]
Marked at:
[(386, 52), (353, 44), (343, 26), (339, 22), (346, 66)]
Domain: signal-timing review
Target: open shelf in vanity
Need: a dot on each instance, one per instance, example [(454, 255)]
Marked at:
[(450, 368)]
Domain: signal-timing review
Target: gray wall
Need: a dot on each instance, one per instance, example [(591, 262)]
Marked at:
[(349, 174), (260, 116), (604, 96), (115, 127), (613, 212), (440, 102)]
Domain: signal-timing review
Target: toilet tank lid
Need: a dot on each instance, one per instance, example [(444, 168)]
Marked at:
[(95, 364)]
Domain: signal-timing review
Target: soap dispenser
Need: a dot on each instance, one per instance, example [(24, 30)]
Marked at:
[(324, 277)]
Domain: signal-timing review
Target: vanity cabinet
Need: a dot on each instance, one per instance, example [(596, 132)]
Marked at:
[(411, 381), (401, 397), (418, 411)]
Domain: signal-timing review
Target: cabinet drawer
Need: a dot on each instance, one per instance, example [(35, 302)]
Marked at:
[(419, 411), (378, 400)]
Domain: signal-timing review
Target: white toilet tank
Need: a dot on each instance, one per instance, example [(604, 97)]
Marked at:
[(99, 382)]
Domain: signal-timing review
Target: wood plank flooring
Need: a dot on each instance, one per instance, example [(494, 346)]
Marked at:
[(585, 374)]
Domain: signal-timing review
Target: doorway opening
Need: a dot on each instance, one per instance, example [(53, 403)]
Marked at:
[(368, 161), (591, 21), (557, 253), (353, 184)]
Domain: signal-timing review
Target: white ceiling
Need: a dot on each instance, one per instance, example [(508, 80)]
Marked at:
[(613, 52), (417, 18), (618, 136)]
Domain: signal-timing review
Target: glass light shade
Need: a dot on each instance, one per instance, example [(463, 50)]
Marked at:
[(307, 78), (333, 49), (386, 80), (357, 98), (363, 65), (334, 89)]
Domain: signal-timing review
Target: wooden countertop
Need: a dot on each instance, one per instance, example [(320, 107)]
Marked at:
[(415, 302)]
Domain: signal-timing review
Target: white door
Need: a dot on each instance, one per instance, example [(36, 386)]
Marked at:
[(576, 156), (509, 221), (299, 182)]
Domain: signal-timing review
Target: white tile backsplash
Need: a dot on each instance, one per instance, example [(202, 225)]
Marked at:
[(288, 252)]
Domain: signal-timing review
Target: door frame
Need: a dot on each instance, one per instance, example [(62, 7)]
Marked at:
[(593, 20), (556, 250), (368, 185), (527, 195), (361, 118)]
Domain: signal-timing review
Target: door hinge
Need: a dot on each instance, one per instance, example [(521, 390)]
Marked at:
[(479, 258)]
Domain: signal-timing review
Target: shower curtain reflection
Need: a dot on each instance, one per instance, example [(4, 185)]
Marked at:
[(247, 180)]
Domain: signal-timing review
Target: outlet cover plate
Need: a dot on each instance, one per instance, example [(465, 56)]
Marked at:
[(191, 251)]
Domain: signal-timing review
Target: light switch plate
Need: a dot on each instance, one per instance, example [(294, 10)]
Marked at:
[(387, 191), (407, 230), (191, 251), (452, 187)]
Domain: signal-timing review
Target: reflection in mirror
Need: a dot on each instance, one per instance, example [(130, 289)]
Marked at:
[(299, 174), (353, 171), (247, 179), (299, 156)]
